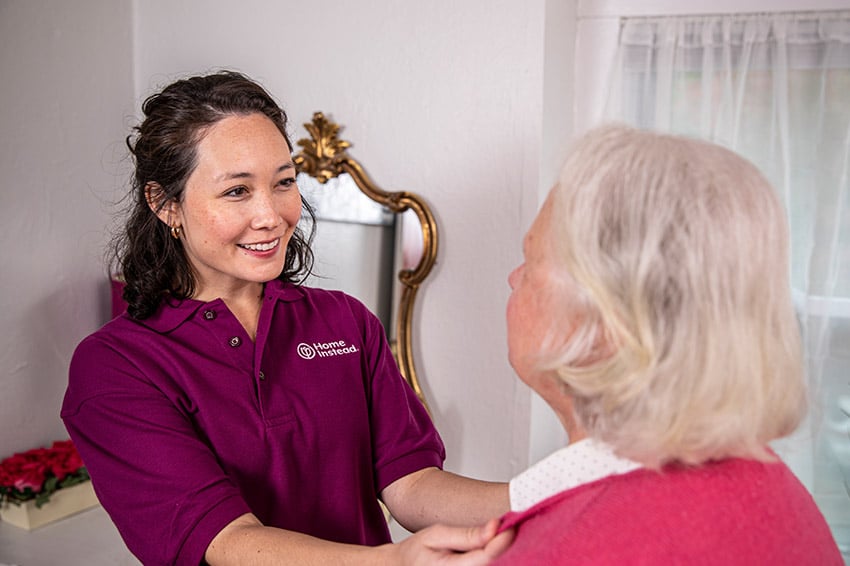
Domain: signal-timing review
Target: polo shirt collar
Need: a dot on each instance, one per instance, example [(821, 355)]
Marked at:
[(174, 312), (282, 291)]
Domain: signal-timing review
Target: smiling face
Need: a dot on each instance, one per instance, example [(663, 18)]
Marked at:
[(240, 206)]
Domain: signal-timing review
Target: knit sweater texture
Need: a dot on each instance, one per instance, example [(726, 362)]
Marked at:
[(731, 512)]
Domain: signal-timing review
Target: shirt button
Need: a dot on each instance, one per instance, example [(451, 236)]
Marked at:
[(262, 376), (209, 315), (235, 341)]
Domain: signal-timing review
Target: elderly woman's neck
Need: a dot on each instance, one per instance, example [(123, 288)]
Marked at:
[(563, 407), (575, 431)]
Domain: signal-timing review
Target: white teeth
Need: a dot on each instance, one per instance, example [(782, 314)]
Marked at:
[(260, 247)]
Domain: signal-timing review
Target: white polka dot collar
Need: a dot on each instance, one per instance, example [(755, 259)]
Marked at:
[(577, 464)]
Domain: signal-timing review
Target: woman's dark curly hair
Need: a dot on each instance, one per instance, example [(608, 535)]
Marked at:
[(164, 148)]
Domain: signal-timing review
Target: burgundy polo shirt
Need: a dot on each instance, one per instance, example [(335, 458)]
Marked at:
[(184, 423)]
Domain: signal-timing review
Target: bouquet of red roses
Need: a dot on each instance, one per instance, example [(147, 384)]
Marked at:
[(37, 473)]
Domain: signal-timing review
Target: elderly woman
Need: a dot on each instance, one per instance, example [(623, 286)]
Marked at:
[(653, 314)]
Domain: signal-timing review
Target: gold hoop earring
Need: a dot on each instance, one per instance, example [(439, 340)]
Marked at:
[(175, 232)]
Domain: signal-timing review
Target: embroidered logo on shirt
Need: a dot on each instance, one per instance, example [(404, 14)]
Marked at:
[(325, 349)]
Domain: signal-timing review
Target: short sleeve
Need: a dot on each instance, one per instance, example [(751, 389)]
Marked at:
[(404, 437), (159, 482)]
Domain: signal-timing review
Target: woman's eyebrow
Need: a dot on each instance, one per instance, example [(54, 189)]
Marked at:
[(246, 174)]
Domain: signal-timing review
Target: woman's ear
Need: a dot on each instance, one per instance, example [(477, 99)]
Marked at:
[(155, 195)]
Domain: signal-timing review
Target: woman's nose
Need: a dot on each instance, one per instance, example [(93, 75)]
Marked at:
[(265, 214)]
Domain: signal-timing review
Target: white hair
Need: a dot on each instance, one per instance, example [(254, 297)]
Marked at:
[(678, 250)]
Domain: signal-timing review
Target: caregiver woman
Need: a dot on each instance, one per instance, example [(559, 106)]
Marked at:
[(210, 432)]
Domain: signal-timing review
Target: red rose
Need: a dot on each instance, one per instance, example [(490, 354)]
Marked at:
[(64, 463), (29, 470), (31, 476)]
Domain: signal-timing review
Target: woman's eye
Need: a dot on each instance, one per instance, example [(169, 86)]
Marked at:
[(287, 182), (236, 191)]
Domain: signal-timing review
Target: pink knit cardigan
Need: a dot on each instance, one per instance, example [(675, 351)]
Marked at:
[(732, 512)]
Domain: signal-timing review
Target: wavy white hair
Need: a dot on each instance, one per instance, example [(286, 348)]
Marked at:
[(678, 250)]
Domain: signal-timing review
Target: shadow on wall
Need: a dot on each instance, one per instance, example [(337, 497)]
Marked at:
[(37, 363)]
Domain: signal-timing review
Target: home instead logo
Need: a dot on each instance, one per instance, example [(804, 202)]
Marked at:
[(325, 349)]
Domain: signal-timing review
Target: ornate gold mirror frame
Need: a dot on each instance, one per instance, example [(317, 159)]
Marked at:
[(324, 157)]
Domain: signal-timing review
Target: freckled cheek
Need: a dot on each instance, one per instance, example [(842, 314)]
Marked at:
[(214, 228), (292, 212)]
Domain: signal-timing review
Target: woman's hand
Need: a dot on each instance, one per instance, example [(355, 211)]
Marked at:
[(246, 542), (455, 546)]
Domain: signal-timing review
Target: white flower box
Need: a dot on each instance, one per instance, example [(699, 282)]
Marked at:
[(63, 503)]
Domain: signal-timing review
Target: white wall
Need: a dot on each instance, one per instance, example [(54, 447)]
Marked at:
[(64, 93)]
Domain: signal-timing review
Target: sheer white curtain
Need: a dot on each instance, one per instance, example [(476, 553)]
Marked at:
[(775, 88)]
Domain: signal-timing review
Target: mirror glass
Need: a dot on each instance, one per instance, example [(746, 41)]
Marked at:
[(354, 248), (376, 245)]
